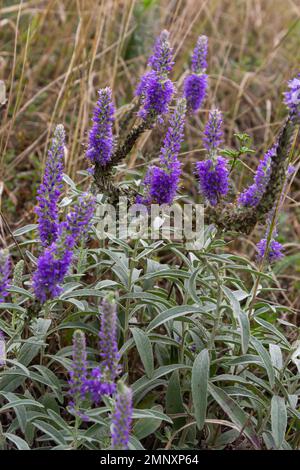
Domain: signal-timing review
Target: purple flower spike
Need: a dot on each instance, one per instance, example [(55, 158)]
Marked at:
[(108, 345), (161, 60), (252, 195), (292, 97), (195, 84), (274, 251), (199, 62), (213, 132), (155, 94), (79, 219), (78, 371), (100, 146), (161, 183), (5, 267), (50, 189), (155, 88), (213, 179), (121, 419), (195, 89), (53, 265)]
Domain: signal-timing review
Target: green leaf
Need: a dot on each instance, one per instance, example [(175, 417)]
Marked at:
[(144, 348), (171, 314), (174, 402), (153, 414), (20, 402), (50, 431), (22, 230), (200, 376), (276, 358), (148, 424), (143, 382), (278, 420), (265, 357), (18, 441), (235, 413), (240, 316)]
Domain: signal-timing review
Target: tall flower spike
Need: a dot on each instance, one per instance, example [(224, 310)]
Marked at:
[(195, 84), (101, 381), (253, 194), (161, 183), (78, 370), (100, 145), (213, 173), (121, 419), (50, 189), (5, 267), (108, 345), (155, 88), (213, 132), (54, 263), (292, 97)]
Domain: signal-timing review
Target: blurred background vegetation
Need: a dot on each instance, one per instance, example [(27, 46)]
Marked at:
[(55, 54)]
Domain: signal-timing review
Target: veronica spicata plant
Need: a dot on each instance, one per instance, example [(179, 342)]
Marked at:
[(139, 343)]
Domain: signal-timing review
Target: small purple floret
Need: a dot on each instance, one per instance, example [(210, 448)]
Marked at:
[(213, 179), (274, 251), (292, 97)]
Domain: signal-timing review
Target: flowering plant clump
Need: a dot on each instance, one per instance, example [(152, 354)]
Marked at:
[(135, 340)]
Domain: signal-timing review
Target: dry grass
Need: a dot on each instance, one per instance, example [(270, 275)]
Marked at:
[(54, 55)]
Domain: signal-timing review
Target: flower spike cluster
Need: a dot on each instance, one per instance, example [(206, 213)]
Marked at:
[(195, 84), (161, 183), (54, 263), (5, 268), (100, 146), (155, 88), (213, 173), (50, 189), (121, 419)]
